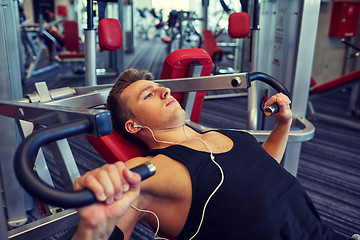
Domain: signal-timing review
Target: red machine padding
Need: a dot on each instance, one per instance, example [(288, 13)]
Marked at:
[(239, 25), (210, 45), (71, 36), (348, 78), (115, 147), (110, 34), (177, 64)]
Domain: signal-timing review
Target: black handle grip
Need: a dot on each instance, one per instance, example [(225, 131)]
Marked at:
[(263, 77), (25, 157)]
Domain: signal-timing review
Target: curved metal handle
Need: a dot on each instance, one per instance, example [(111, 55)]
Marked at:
[(263, 77), (25, 158)]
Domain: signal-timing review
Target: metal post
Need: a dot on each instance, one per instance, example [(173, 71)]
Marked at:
[(205, 7), (303, 69), (3, 228), (253, 93), (10, 89), (195, 69), (90, 48), (120, 53)]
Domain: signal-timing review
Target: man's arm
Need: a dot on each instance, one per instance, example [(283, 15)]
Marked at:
[(116, 188), (275, 144)]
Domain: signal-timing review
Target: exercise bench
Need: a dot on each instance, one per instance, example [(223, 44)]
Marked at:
[(71, 43), (238, 28), (349, 80)]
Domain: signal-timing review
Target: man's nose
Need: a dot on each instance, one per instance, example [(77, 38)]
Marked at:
[(164, 92)]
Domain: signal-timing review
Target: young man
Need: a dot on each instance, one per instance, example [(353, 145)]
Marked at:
[(211, 185)]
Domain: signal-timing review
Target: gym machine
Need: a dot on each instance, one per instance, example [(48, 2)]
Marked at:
[(71, 111), (308, 14), (33, 37)]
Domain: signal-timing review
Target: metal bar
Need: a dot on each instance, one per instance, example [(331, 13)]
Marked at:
[(90, 14), (301, 130), (292, 149), (51, 115), (219, 82), (86, 100), (195, 69), (254, 91), (26, 128), (65, 162), (336, 120), (46, 227), (10, 88), (90, 57)]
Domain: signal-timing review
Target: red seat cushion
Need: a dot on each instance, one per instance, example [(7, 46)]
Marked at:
[(71, 36), (239, 25), (114, 147), (110, 34)]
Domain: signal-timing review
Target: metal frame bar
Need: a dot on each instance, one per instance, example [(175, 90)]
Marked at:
[(10, 88), (46, 227)]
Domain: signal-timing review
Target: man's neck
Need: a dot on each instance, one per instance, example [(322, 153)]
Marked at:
[(167, 137)]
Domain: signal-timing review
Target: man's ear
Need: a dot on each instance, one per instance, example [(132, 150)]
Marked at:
[(129, 126)]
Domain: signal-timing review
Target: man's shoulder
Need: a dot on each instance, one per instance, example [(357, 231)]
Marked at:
[(168, 173), (137, 161)]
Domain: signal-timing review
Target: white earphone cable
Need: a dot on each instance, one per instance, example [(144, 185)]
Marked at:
[(157, 221), (211, 195)]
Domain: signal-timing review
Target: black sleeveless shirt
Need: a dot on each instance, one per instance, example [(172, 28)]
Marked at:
[(258, 199)]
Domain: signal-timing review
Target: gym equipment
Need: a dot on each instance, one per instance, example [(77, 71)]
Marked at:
[(64, 118), (28, 149), (90, 50), (71, 42), (72, 53), (110, 39), (239, 27), (182, 28), (348, 80), (299, 70), (210, 45), (33, 38)]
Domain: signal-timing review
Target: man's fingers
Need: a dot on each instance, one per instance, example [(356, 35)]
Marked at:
[(133, 178), (116, 180), (94, 185), (110, 182)]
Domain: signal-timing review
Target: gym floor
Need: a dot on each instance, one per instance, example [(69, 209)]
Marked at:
[(329, 163)]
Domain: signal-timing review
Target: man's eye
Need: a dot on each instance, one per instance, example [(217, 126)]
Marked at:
[(147, 96)]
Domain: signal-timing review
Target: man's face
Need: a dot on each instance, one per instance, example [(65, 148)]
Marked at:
[(153, 105)]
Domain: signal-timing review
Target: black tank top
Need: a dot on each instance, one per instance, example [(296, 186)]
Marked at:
[(259, 199)]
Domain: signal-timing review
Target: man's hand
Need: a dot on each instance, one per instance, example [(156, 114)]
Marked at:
[(284, 116), (116, 188)]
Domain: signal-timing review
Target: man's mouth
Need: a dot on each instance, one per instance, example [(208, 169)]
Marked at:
[(170, 102)]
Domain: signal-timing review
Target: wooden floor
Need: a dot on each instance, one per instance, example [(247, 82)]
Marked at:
[(329, 165)]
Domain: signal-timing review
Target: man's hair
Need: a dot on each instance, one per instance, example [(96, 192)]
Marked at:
[(120, 112)]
